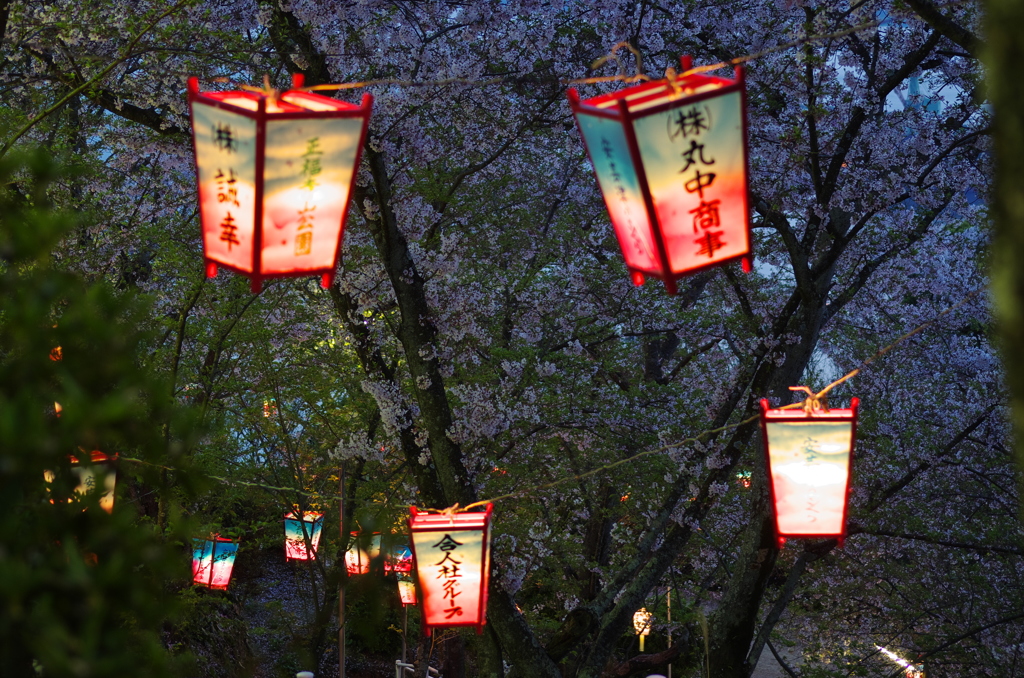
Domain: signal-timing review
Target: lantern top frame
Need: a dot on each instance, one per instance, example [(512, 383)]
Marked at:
[(659, 96), (848, 415), (261, 107)]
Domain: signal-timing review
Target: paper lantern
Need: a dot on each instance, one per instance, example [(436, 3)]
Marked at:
[(642, 624), (809, 458), (87, 477), (275, 174), (297, 532), (452, 559), (399, 557), (357, 559), (406, 588), (213, 560), (671, 160)]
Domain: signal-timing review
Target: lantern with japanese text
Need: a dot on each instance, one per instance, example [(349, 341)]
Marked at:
[(452, 559), (297, 533), (212, 561), (642, 624), (86, 475), (361, 552), (671, 160), (276, 173), (809, 454)]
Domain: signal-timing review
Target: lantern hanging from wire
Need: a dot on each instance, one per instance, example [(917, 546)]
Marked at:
[(642, 624), (357, 558), (809, 456), (298, 532), (406, 588), (671, 161), (88, 478), (452, 560), (213, 560), (399, 557), (276, 171)]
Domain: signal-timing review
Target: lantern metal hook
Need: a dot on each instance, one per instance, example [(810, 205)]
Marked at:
[(815, 402)]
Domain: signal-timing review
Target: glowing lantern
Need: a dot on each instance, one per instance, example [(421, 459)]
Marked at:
[(275, 173), (809, 456), (671, 160), (399, 558), (452, 559), (406, 588), (212, 561), (297, 532), (357, 559), (642, 624), (87, 477)]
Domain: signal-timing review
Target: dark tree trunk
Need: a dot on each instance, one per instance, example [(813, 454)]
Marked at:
[(1003, 53)]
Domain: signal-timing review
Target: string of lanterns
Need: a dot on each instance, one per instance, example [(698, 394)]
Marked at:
[(275, 177)]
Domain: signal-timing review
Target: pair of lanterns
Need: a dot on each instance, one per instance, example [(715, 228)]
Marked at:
[(213, 559), (88, 479), (276, 172)]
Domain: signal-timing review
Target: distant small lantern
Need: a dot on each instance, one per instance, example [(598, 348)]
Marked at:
[(357, 559), (671, 160), (406, 588), (642, 624), (809, 455), (213, 560), (297, 532), (399, 558), (452, 559), (86, 475), (276, 173)]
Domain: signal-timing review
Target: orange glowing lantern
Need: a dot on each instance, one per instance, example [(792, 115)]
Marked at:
[(298, 532), (809, 455), (671, 160), (452, 559), (357, 558), (87, 477), (276, 173), (406, 588), (213, 560)]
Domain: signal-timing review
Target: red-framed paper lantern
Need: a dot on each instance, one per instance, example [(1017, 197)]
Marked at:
[(88, 479), (213, 560), (275, 175), (399, 556), (357, 558), (671, 160), (297, 531), (452, 560), (809, 457)]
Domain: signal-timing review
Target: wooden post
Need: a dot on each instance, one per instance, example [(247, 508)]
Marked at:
[(341, 589), (405, 628), (668, 604)]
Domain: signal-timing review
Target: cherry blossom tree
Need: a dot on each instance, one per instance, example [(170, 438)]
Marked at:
[(483, 338)]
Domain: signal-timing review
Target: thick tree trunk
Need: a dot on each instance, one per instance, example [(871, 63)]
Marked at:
[(1003, 53)]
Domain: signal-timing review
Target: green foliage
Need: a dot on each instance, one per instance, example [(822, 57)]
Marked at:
[(82, 593)]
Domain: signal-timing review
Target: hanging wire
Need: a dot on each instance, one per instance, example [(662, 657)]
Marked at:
[(813, 402)]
